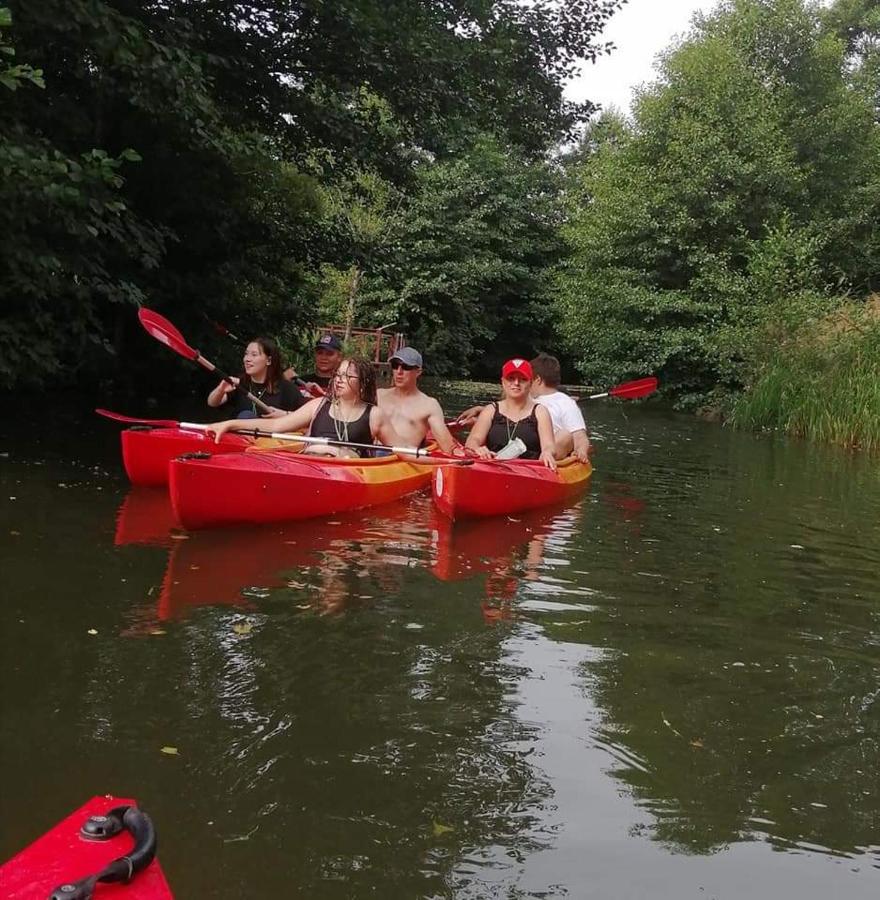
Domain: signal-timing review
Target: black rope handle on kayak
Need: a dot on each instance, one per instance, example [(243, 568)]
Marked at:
[(102, 828)]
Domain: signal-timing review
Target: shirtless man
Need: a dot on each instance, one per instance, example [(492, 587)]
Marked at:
[(569, 429), (413, 413)]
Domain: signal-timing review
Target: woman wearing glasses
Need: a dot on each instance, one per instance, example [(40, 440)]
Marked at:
[(348, 413)]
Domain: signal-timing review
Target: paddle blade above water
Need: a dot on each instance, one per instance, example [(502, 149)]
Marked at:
[(632, 390), (162, 330)]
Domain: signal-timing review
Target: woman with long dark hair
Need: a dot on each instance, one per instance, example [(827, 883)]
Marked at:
[(263, 377), (348, 413)]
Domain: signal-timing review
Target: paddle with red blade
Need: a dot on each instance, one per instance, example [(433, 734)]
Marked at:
[(163, 331), (631, 390), (418, 452)]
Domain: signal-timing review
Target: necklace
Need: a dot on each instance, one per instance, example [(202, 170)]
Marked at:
[(258, 394), (511, 432), (340, 426)]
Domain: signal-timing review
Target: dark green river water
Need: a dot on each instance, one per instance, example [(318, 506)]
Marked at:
[(668, 690)]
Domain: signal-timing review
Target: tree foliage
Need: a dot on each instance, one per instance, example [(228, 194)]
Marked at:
[(466, 276), (749, 174), (186, 148)]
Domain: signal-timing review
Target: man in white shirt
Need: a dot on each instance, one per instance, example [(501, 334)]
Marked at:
[(569, 428)]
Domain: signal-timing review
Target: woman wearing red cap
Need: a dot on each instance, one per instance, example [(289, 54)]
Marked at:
[(516, 415)]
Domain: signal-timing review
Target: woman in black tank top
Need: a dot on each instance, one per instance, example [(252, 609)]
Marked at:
[(349, 413), (515, 416)]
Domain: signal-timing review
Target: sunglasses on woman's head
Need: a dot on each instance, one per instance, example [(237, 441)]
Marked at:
[(402, 365)]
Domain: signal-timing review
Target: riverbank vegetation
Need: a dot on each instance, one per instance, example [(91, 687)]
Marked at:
[(271, 166)]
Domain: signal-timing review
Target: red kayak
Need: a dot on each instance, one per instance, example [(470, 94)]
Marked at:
[(104, 844), (497, 488), (146, 451), (281, 485)]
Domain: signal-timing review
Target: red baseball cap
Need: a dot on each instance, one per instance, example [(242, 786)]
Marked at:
[(517, 367)]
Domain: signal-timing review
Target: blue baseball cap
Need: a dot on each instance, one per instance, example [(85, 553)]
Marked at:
[(328, 342)]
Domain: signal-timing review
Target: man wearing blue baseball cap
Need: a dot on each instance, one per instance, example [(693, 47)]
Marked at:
[(413, 414), (328, 355)]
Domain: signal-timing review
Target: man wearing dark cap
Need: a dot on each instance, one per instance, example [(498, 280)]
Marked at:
[(328, 355), (412, 413)]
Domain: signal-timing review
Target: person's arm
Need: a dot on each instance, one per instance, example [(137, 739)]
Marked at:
[(293, 421), (439, 431), (477, 438), (581, 445), (469, 416), (221, 393), (545, 433)]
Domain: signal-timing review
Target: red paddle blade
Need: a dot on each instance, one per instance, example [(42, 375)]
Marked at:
[(162, 330), (130, 420), (632, 390)]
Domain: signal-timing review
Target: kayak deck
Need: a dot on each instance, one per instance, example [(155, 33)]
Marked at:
[(62, 855), (496, 488)]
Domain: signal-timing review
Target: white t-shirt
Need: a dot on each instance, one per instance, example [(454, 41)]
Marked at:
[(564, 412)]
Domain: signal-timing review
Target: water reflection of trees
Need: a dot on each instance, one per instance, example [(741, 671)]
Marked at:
[(739, 623)]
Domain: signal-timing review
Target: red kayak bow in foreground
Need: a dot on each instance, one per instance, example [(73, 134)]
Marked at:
[(105, 849)]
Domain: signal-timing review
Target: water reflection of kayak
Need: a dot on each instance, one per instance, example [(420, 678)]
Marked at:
[(468, 548), (144, 517), (214, 568), (107, 840)]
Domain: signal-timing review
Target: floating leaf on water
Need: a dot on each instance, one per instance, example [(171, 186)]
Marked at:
[(697, 743), (170, 751), (414, 626), (157, 631), (797, 546), (242, 628), (440, 829), (93, 631)]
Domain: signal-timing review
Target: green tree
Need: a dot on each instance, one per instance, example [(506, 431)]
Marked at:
[(466, 277), (237, 114), (749, 174)]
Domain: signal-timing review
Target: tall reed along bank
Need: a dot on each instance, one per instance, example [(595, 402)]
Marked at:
[(822, 382)]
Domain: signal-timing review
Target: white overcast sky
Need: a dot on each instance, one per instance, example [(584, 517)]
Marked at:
[(641, 29)]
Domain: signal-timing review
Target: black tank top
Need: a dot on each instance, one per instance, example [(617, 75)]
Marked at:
[(359, 431), (504, 430)]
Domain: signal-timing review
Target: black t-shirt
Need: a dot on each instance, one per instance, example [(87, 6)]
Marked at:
[(285, 396), (321, 380)]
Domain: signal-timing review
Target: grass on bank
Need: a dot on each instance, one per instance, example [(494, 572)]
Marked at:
[(824, 384)]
